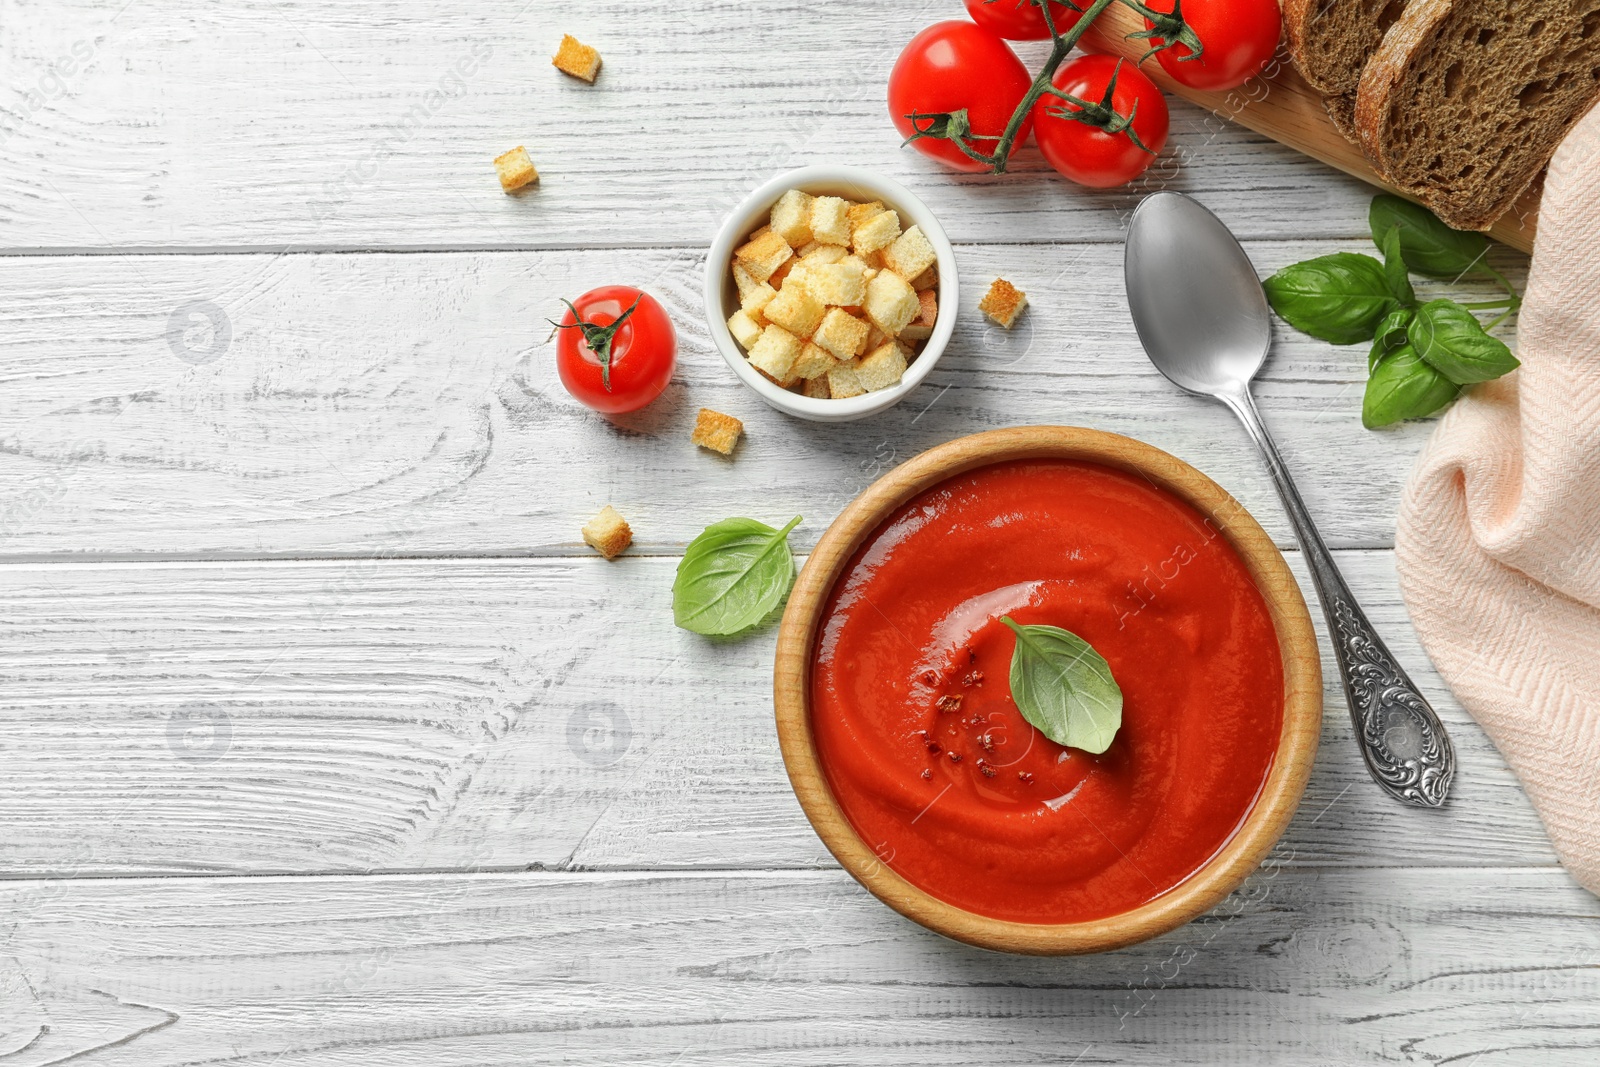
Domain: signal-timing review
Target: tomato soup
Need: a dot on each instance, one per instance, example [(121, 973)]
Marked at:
[(931, 760)]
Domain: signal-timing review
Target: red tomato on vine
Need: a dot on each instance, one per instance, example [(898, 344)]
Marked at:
[(1021, 20), (952, 68), (1238, 38), (1114, 131), (617, 349)]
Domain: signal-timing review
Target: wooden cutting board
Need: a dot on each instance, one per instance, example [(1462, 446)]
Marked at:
[(1286, 109)]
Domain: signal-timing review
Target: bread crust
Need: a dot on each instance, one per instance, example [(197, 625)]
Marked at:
[(1375, 99), (1297, 16)]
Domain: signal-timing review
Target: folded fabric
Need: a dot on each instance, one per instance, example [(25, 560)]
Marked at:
[(1498, 542)]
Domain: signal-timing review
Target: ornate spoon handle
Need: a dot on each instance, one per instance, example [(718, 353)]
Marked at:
[(1402, 740)]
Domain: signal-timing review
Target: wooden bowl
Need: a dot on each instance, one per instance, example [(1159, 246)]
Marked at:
[(1302, 691)]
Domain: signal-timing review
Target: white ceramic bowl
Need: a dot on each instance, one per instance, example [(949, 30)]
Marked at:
[(722, 298)]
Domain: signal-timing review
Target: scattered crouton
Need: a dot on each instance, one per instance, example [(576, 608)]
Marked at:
[(841, 333), (515, 169), (576, 59), (791, 218), (891, 302), (608, 533), (764, 254), (716, 431), (910, 254), (774, 354), (1003, 302)]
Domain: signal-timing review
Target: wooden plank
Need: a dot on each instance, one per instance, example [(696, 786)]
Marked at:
[(408, 404), (419, 715), (1303, 966), (309, 125), (1282, 106)]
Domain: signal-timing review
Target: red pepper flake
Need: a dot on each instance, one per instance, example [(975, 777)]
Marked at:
[(950, 702), (988, 771), (955, 757), (1025, 777)]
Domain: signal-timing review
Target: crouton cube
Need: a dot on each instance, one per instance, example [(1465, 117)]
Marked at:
[(743, 280), (859, 213), (926, 280), (841, 333), (764, 254), (821, 253), (578, 60), (1003, 302), (515, 169), (608, 533), (830, 220), (921, 327), (716, 431), (891, 302), (882, 367), (873, 261), (816, 388), (878, 232), (781, 275), (791, 218), (795, 309), (843, 382), (745, 329), (910, 254), (837, 284), (775, 352), (813, 361), (757, 298)]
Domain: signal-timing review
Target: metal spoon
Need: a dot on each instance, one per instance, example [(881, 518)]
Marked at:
[(1202, 318)]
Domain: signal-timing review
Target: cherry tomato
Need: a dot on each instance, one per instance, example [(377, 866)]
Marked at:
[(954, 65), (1238, 39), (1086, 153), (643, 349), (1021, 20)]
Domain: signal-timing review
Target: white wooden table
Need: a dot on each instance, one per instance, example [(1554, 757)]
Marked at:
[(324, 740)]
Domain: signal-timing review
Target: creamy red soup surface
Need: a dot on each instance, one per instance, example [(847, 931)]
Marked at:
[(928, 755)]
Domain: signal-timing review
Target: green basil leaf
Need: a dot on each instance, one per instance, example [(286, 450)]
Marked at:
[(1394, 269), (1064, 687), (1452, 339), (732, 576), (1339, 298), (1428, 245), (1390, 335), (1403, 386)]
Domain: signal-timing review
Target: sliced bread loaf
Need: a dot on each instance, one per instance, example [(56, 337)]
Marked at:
[(1331, 41), (1465, 100)]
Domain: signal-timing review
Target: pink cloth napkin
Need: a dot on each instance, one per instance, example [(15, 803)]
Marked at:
[(1498, 542)]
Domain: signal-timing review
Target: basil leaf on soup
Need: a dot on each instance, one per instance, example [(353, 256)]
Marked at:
[(1064, 687), (1427, 245), (1394, 269), (732, 576), (1340, 297), (1453, 341), (1404, 386)]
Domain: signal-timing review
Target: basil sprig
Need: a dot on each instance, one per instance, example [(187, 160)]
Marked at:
[(732, 576), (1422, 353), (1064, 687)]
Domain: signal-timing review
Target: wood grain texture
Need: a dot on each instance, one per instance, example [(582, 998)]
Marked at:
[(1279, 794), (420, 715), (1302, 967), (407, 404), (1280, 104), (314, 125)]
